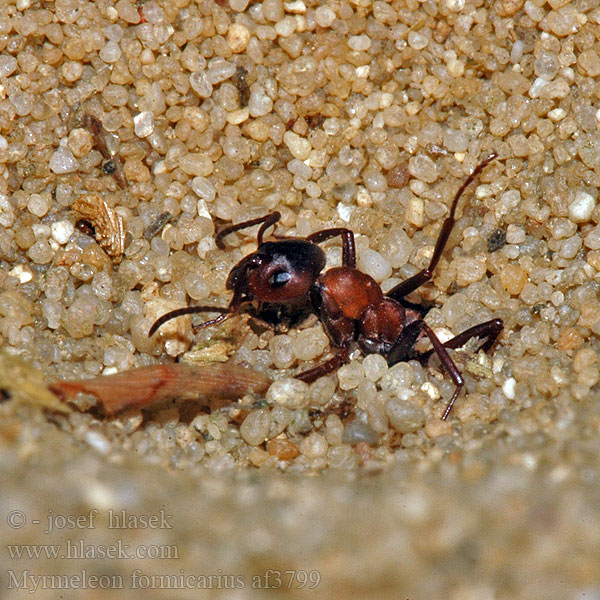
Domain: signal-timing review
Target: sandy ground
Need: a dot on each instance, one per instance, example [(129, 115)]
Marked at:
[(364, 115)]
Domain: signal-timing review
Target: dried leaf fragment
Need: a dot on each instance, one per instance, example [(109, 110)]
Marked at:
[(145, 386), (22, 383), (109, 230)]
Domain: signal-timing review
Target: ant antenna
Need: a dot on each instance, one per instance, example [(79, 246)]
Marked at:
[(469, 179), (190, 310)]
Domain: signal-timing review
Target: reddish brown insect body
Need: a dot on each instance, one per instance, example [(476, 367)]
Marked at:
[(350, 304)]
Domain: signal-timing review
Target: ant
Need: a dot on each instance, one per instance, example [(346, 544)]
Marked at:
[(349, 303)]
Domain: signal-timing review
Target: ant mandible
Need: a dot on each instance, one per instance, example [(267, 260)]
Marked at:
[(349, 303)]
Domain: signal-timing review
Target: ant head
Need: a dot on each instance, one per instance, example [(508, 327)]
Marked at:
[(280, 271)]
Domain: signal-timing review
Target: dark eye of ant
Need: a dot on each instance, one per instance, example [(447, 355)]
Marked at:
[(279, 279)]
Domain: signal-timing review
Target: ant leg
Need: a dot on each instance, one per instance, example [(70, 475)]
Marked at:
[(348, 249), (417, 280), (266, 221), (403, 350), (490, 330), (327, 367), (448, 365)]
